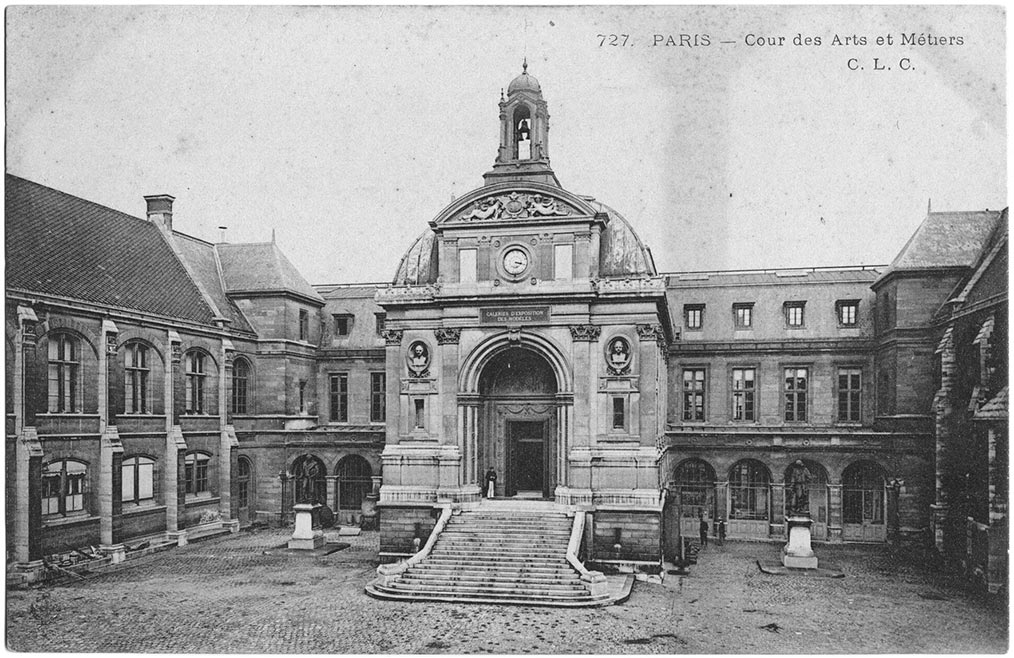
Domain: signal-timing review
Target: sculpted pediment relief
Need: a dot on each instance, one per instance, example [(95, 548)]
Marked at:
[(515, 205)]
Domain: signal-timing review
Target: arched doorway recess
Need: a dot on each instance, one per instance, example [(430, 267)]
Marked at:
[(518, 422)]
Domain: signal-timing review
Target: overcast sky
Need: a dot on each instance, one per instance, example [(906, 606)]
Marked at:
[(347, 129)]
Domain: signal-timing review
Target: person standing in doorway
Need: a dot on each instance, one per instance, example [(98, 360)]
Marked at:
[(490, 482), (704, 531)]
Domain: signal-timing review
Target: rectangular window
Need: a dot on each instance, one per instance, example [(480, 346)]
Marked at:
[(342, 324), (619, 413), (63, 374), (420, 413), (795, 394), (196, 473), (136, 379), (466, 265), (693, 394), (378, 392), (742, 315), (195, 378), (304, 325), (794, 314), (138, 480), (381, 319), (693, 316), (51, 490), (850, 395), (743, 391), (848, 312), (302, 396), (339, 397), (563, 261)]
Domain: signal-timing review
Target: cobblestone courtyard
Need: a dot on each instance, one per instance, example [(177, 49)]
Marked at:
[(244, 594)]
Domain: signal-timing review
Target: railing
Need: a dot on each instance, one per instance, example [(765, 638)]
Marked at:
[(594, 580), (388, 572)]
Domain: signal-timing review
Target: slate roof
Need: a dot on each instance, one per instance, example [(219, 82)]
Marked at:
[(348, 290), (995, 409), (201, 260), (772, 277), (58, 244), (260, 267), (947, 239)]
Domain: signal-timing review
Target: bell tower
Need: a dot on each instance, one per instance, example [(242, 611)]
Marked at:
[(524, 134)]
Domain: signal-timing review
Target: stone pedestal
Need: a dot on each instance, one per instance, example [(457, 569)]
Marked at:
[(797, 552), (304, 537)]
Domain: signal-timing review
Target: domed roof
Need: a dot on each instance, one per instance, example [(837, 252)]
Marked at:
[(621, 252), (524, 82)]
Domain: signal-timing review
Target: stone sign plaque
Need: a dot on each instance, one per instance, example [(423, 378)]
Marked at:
[(514, 316)]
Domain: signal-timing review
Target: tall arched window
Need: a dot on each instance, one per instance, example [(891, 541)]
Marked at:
[(749, 489), (137, 371), (64, 374), (240, 385), (354, 482), (64, 484), (196, 378), (243, 483), (863, 494), (196, 467), (138, 481), (695, 488)]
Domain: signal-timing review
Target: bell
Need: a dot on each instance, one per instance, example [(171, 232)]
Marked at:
[(523, 129)]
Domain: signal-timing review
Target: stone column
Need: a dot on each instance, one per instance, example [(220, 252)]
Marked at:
[(175, 444), (447, 388), (110, 455), (227, 434), (331, 483), (834, 513), (395, 413), (585, 339), (778, 507), (28, 453), (722, 500)]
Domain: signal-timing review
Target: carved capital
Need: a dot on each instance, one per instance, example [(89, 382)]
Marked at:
[(585, 332), (28, 322), (392, 336), (177, 352), (650, 332), (447, 335)]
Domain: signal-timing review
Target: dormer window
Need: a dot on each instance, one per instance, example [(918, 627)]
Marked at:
[(342, 324)]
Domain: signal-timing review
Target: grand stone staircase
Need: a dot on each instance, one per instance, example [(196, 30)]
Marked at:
[(502, 552)]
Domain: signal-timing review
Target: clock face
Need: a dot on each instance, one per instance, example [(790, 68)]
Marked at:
[(515, 261)]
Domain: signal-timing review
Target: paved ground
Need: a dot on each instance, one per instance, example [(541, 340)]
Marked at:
[(244, 594)]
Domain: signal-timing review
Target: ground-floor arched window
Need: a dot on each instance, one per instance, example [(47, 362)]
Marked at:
[(863, 499), (749, 491), (694, 481), (64, 487), (354, 482)]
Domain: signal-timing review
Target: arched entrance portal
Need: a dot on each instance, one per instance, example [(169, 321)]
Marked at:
[(518, 422)]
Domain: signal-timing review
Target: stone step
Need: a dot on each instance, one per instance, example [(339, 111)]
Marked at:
[(502, 554), (560, 577), (494, 581), (378, 591), (517, 527), (456, 566), (496, 557), (552, 545), (491, 591), (474, 597)]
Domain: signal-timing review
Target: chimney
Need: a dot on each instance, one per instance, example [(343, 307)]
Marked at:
[(160, 210)]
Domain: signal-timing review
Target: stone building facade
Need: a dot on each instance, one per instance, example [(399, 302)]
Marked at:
[(162, 386)]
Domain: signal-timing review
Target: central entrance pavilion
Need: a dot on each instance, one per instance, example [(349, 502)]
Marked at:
[(526, 332)]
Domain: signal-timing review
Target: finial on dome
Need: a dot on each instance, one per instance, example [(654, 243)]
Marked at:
[(524, 65)]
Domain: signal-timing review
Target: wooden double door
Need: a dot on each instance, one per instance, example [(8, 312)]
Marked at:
[(528, 467)]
